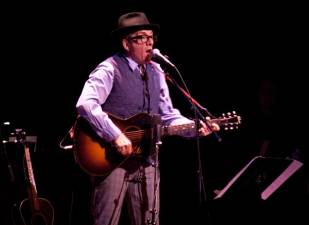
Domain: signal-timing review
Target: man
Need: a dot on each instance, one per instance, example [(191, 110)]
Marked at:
[(125, 85)]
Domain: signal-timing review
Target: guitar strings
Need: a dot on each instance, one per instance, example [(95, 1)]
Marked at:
[(135, 135)]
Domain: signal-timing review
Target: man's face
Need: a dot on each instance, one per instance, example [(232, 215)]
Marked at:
[(139, 45)]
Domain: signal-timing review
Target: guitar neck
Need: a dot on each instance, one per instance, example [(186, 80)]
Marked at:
[(183, 129), (32, 185), (177, 129)]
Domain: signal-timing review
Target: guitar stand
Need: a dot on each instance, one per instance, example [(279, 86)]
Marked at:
[(153, 210)]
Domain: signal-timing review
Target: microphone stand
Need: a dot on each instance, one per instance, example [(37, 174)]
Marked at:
[(194, 104), (196, 107), (155, 145)]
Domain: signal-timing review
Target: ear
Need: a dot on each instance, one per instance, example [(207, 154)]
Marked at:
[(125, 44)]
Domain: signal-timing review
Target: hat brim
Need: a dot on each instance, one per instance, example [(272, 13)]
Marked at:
[(123, 31)]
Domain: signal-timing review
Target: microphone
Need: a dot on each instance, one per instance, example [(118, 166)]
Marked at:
[(156, 54)]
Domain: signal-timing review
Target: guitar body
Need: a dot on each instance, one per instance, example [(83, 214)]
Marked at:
[(43, 215), (98, 157)]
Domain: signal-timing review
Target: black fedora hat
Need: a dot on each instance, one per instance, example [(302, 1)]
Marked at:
[(132, 22)]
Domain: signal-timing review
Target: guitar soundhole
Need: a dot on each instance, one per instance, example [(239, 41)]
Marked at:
[(136, 136)]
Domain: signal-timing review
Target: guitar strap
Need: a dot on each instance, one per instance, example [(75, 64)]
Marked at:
[(67, 141)]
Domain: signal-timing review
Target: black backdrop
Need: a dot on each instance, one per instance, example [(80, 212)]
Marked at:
[(230, 56)]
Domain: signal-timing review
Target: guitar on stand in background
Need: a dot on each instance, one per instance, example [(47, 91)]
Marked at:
[(33, 210)]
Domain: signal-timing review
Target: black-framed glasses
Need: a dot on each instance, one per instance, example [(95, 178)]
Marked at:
[(141, 39)]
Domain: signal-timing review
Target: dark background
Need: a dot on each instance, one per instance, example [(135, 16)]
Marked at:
[(244, 57)]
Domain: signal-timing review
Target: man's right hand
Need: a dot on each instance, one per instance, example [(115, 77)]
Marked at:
[(123, 145)]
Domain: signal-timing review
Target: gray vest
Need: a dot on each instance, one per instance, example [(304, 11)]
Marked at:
[(129, 92)]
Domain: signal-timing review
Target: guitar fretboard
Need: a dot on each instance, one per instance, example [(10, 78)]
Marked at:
[(30, 171), (178, 129)]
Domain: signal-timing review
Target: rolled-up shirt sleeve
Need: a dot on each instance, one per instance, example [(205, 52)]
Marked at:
[(95, 92)]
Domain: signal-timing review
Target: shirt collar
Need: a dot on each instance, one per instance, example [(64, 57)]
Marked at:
[(132, 64)]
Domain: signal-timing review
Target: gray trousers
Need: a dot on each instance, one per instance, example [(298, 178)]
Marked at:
[(134, 183)]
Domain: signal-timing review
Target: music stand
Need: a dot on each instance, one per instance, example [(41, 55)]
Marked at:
[(263, 175)]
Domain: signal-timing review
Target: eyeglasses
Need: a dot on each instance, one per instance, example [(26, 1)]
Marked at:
[(141, 39)]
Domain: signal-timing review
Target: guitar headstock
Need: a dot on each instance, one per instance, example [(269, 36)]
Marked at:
[(229, 120)]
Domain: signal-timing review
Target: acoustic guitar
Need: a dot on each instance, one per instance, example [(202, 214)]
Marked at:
[(34, 210), (98, 157)]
